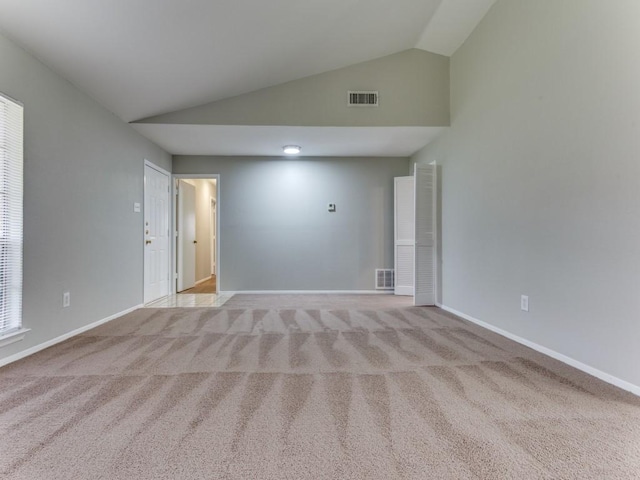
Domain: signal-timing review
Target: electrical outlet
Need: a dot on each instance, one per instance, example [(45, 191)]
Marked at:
[(524, 303), (66, 299)]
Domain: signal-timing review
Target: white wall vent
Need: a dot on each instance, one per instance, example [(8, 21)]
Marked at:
[(362, 98), (385, 278)]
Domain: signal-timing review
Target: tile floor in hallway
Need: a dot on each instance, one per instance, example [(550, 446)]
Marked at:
[(190, 300)]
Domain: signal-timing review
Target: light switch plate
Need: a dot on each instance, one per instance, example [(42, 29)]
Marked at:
[(332, 207), (66, 299), (524, 303), (136, 207)]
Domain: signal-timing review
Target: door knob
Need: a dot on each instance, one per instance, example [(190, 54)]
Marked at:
[(148, 242), (195, 241)]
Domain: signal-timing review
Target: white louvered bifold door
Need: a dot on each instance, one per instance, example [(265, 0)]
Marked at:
[(11, 160), (404, 239), (425, 228)]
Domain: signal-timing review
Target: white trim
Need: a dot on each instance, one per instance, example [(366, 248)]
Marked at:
[(11, 99), (436, 236), (202, 281), (630, 387), (213, 230), (174, 266), (148, 163), (308, 292), (66, 336), (13, 337)]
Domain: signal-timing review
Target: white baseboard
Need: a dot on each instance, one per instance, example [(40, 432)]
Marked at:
[(62, 338), (202, 281), (309, 292), (630, 387)]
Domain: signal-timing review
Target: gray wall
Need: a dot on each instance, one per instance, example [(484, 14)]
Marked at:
[(540, 177), (276, 233), (413, 86), (83, 171)]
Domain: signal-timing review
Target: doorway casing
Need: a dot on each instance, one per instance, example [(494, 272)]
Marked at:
[(174, 192), (213, 230)]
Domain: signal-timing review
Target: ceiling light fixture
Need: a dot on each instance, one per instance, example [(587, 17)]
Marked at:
[(291, 149)]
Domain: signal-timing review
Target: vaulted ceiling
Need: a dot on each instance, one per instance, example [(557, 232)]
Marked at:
[(140, 58)]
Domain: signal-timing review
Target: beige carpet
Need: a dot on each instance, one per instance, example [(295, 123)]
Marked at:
[(367, 389)]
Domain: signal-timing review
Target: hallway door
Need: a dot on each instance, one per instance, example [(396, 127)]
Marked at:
[(186, 235)]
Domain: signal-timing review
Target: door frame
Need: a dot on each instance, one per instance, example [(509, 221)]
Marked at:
[(437, 237), (174, 243), (213, 222), (161, 170)]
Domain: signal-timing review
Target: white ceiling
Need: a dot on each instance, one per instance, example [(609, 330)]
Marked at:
[(234, 140), (140, 58)]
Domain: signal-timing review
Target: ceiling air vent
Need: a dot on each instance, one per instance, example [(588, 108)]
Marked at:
[(362, 98)]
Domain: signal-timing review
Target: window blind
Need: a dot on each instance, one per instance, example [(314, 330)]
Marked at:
[(11, 182)]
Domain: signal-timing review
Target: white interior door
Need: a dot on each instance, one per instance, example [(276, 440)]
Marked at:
[(404, 241), (186, 235), (156, 234), (425, 234)]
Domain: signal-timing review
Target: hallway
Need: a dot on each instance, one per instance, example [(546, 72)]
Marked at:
[(208, 286)]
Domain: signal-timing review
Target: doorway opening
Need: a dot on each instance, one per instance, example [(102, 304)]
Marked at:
[(196, 247)]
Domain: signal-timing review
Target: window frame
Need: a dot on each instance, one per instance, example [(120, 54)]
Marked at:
[(11, 220)]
